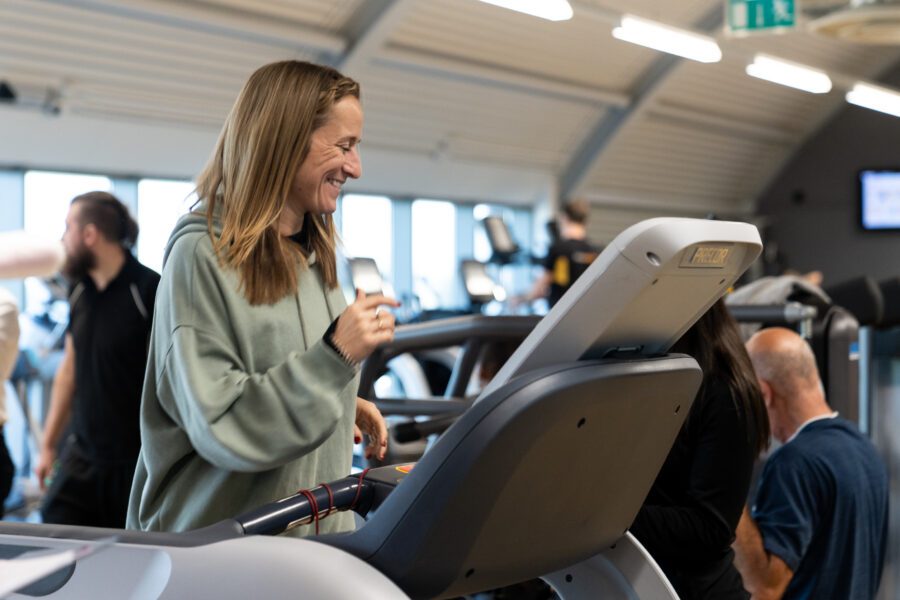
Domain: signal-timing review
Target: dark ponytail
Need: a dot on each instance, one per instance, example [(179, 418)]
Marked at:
[(715, 343), (107, 213)]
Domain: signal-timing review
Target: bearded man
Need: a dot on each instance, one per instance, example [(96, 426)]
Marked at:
[(97, 388)]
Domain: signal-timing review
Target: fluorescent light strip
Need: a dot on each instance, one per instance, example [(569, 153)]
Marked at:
[(664, 38), (875, 98), (789, 74), (552, 10)]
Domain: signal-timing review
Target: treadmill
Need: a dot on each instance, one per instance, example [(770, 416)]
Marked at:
[(541, 477)]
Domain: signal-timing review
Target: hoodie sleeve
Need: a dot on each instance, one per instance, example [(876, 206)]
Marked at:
[(237, 419), (240, 421)]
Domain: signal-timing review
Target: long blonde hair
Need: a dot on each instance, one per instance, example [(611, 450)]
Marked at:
[(264, 141)]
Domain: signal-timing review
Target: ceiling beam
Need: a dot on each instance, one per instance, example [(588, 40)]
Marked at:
[(585, 159), (723, 125), (181, 15), (676, 202), (480, 74), (368, 30)]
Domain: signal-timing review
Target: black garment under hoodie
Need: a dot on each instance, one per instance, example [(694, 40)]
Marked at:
[(689, 518)]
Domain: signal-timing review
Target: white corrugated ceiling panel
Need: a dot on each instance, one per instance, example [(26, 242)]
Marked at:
[(725, 90), (664, 161), (719, 135), (330, 15), (683, 13), (112, 65), (578, 51), (405, 109), (816, 51)]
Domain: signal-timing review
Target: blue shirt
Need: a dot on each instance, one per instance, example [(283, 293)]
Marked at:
[(822, 507)]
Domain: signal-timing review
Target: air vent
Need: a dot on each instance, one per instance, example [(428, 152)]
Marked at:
[(864, 22)]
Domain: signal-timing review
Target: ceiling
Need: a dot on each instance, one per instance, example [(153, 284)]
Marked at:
[(457, 81)]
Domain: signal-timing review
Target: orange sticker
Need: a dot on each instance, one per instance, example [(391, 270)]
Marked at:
[(405, 468)]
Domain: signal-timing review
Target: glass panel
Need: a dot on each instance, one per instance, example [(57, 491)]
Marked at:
[(366, 229), (434, 260), (160, 203), (481, 247), (47, 198)]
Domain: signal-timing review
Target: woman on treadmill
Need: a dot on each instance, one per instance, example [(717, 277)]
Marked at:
[(689, 518), (250, 391)]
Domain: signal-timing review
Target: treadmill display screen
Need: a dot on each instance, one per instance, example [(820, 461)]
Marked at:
[(710, 256)]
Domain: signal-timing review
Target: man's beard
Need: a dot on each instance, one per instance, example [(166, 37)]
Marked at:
[(78, 264)]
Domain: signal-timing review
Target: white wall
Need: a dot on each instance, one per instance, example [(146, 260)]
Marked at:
[(30, 139), (69, 142), (405, 174)]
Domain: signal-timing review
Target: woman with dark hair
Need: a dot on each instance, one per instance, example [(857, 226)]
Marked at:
[(251, 382), (689, 518)]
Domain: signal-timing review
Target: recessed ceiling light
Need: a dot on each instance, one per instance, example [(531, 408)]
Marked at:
[(552, 10), (665, 38), (790, 74), (875, 98)]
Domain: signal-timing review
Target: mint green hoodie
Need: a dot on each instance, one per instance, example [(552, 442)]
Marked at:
[(242, 405)]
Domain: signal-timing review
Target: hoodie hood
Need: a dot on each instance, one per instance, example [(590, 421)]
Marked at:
[(193, 222)]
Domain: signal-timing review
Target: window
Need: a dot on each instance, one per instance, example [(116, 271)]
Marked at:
[(160, 203), (481, 245), (47, 198), (366, 229), (434, 261), (48, 195)]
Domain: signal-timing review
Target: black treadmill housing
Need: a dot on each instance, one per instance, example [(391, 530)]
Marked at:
[(544, 472)]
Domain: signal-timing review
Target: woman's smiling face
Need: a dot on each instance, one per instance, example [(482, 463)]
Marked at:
[(333, 157)]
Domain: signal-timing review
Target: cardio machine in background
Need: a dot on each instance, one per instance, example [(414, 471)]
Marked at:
[(540, 477), (856, 340), (877, 305)]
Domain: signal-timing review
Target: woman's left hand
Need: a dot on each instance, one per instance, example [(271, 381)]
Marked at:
[(370, 422)]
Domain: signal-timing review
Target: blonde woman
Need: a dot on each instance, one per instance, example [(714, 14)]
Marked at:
[(250, 391)]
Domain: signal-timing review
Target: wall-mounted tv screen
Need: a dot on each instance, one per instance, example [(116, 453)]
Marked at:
[(879, 199)]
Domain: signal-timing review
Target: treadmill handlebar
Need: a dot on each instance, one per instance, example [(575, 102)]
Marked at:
[(279, 516), (361, 493), (435, 406), (412, 431), (456, 330), (469, 331), (779, 314)]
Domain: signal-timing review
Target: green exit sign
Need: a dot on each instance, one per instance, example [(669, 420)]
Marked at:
[(747, 16)]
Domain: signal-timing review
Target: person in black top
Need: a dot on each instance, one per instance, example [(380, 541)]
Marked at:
[(568, 257), (819, 526), (688, 520), (97, 388)]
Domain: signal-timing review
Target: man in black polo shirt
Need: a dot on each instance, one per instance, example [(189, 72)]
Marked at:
[(98, 385)]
